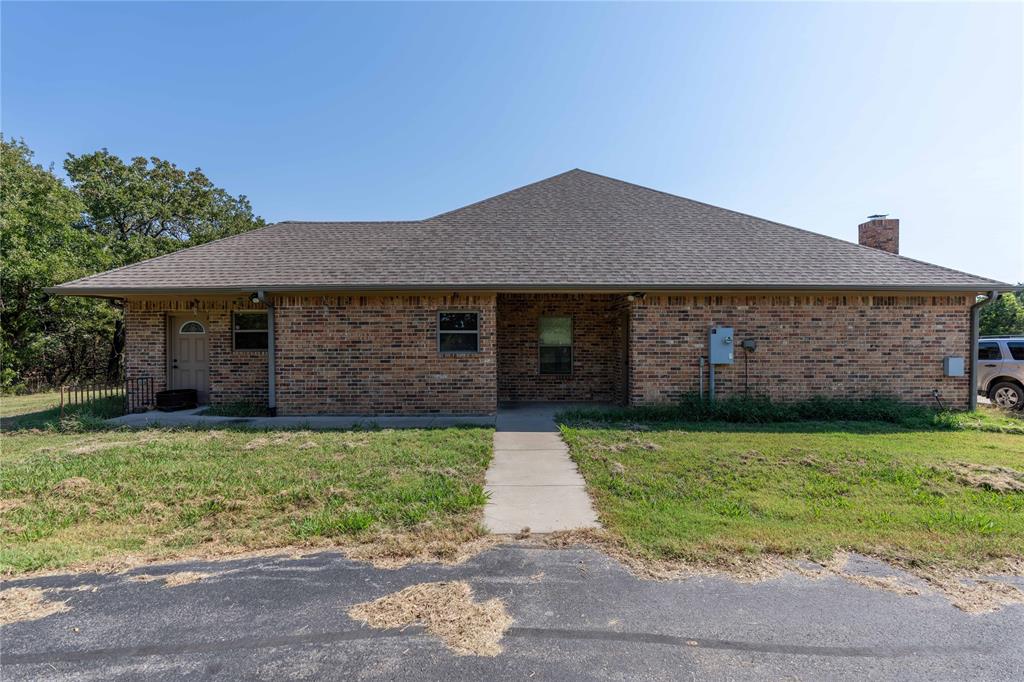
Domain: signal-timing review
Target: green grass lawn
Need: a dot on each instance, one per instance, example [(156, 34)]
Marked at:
[(711, 492), (70, 498), (23, 404), (42, 411)]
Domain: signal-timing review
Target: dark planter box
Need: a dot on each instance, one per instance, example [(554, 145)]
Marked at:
[(180, 399)]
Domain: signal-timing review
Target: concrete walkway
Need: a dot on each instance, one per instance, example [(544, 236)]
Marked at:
[(194, 417), (531, 482)]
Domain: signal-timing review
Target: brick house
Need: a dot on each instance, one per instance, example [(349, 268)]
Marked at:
[(575, 288)]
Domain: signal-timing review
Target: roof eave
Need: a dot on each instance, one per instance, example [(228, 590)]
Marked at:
[(112, 292)]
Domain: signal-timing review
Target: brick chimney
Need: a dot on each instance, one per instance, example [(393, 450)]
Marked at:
[(880, 232)]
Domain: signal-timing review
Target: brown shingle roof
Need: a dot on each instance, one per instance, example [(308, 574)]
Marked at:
[(577, 230)]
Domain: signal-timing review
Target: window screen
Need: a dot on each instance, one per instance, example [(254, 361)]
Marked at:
[(249, 330), (556, 345), (458, 332)]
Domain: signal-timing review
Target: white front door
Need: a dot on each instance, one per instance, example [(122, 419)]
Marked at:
[(189, 347)]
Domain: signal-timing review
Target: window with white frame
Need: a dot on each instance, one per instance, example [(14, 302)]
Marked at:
[(458, 331)]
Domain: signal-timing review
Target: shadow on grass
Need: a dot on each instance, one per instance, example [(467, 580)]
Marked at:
[(872, 417), (89, 415), (804, 427), (86, 421)]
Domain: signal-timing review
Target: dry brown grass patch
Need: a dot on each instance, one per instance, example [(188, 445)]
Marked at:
[(401, 549), (603, 541), (73, 487), (974, 591), (988, 477), (19, 604), (10, 504), (184, 578), (447, 610), (386, 551), (173, 579), (353, 441), (977, 592)]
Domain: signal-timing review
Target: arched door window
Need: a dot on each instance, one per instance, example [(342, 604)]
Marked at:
[(192, 327)]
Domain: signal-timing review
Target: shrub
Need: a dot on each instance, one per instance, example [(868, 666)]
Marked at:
[(747, 410)]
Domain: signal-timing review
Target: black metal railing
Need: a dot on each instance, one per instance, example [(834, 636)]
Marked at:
[(138, 394), (79, 395)]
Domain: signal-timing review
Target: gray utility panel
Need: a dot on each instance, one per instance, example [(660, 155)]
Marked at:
[(720, 346), (953, 366)]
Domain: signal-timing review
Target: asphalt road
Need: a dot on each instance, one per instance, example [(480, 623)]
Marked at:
[(578, 615)]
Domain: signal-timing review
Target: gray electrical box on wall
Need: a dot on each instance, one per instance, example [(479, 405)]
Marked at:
[(953, 366), (720, 346)]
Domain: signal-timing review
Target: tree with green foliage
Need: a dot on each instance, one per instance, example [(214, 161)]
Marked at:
[(113, 214), (42, 337), (149, 207), (1005, 317)]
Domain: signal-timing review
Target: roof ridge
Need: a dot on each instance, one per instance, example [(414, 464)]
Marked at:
[(789, 227), (501, 194)]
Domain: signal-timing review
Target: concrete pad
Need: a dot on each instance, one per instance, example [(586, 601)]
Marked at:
[(542, 509)]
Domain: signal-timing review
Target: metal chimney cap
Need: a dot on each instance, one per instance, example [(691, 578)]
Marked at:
[(878, 216)]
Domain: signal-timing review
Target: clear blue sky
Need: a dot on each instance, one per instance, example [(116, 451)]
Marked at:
[(811, 114)]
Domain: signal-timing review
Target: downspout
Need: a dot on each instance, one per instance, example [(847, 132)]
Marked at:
[(271, 360), (975, 316)]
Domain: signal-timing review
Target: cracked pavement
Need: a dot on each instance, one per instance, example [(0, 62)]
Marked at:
[(578, 615)]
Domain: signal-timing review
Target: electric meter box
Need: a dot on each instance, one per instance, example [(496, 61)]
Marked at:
[(720, 346), (953, 366)]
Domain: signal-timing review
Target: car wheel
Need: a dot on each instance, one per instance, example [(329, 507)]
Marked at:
[(1007, 396)]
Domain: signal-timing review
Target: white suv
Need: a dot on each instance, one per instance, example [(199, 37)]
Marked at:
[(1001, 370)]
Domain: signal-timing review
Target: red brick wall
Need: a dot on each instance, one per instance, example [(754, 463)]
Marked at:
[(830, 345), (598, 355), (378, 355), (145, 350), (234, 375)]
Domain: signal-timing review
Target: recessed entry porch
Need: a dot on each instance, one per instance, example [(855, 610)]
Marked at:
[(562, 348)]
